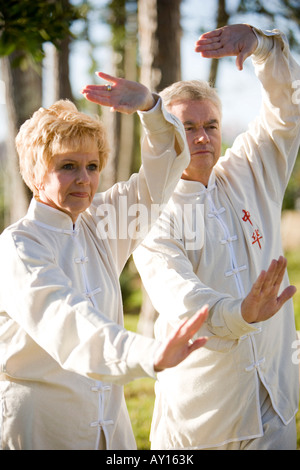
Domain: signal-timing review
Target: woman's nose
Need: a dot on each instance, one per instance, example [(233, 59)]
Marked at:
[(82, 176)]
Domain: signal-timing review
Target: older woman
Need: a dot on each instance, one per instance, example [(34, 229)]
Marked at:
[(64, 351)]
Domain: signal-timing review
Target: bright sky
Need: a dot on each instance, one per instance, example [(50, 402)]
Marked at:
[(239, 91)]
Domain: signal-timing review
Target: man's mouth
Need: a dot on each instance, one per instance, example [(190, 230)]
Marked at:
[(201, 152)]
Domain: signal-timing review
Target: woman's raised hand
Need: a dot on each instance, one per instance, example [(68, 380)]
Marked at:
[(120, 95)]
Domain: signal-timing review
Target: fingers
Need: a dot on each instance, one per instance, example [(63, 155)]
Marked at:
[(190, 326), (275, 273), (108, 78), (208, 45), (124, 96), (286, 295), (97, 94), (211, 35), (278, 276), (101, 94), (269, 282), (258, 285), (272, 278), (263, 301), (178, 346), (197, 344), (240, 60), (230, 40)]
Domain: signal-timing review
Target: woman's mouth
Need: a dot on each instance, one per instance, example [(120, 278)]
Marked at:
[(80, 195)]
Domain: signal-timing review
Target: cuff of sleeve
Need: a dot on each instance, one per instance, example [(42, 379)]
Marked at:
[(236, 326), (142, 355), (265, 43), (157, 119)]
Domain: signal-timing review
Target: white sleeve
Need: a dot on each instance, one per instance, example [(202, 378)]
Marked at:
[(40, 298), (270, 147), (125, 213), (177, 292)]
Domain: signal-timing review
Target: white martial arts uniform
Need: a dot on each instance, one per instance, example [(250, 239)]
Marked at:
[(212, 398), (64, 354)]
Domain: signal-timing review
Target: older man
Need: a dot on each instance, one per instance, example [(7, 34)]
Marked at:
[(241, 390)]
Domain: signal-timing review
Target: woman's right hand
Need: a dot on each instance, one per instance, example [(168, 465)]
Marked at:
[(124, 96), (178, 346)]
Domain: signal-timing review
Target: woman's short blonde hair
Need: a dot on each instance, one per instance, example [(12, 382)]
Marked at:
[(52, 130), (190, 90)]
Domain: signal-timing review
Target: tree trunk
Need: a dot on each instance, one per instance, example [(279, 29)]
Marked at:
[(160, 36), (23, 97), (61, 72), (121, 128), (222, 20), (127, 131)]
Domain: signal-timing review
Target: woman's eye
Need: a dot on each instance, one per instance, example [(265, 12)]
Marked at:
[(68, 166), (93, 167)]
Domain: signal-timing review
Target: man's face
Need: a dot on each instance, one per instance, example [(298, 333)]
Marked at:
[(201, 120)]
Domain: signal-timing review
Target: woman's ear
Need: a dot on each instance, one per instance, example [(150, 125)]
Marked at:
[(39, 186)]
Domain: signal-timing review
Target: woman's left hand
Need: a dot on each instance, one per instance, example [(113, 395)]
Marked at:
[(120, 95), (178, 346)]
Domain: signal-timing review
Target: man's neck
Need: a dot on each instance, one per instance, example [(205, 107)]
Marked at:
[(204, 179)]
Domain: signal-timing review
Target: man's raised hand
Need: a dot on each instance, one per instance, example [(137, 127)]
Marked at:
[(234, 40)]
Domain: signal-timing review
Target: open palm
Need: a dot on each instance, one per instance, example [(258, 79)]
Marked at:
[(263, 300), (233, 40), (179, 345), (123, 95)]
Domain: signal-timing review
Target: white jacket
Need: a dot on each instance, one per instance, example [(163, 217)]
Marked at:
[(212, 397), (64, 353)]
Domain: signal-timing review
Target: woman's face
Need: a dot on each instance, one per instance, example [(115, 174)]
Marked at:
[(71, 181)]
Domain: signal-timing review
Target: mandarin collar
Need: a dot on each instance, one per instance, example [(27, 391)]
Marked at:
[(52, 218), (195, 187)]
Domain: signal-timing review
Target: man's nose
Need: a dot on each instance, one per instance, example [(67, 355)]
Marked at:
[(201, 136)]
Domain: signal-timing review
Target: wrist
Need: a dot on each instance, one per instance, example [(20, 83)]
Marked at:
[(149, 103), (244, 312)]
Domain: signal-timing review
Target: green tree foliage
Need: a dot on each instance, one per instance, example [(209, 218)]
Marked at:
[(25, 25)]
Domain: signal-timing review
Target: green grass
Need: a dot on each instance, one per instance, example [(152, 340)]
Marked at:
[(139, 396), (140, 393), (293, 258)]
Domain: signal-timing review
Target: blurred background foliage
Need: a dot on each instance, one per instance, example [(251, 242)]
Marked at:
[(140, 48), (134, 35)]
